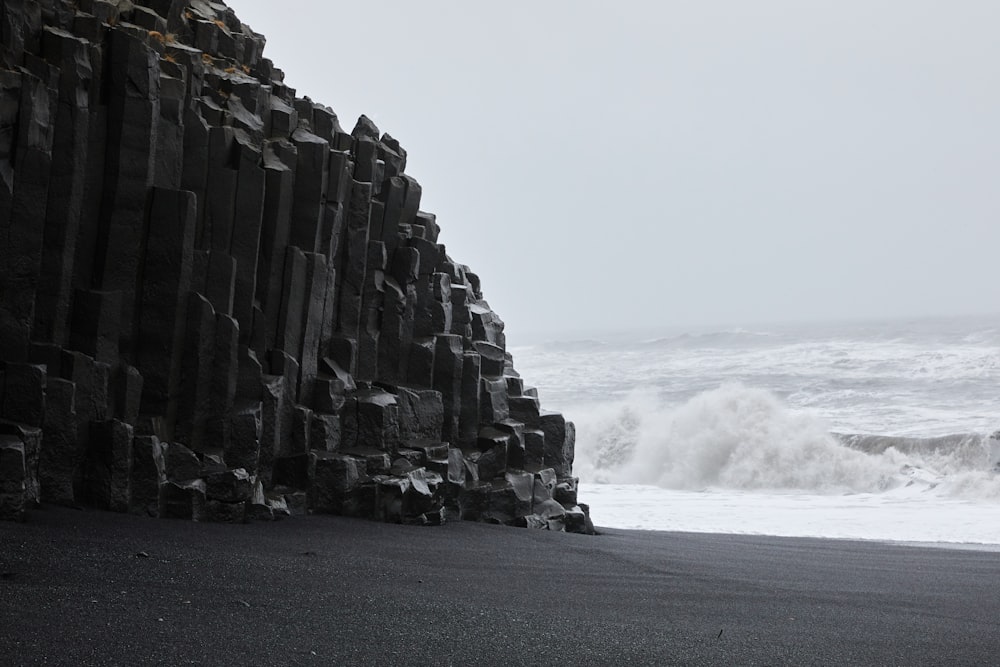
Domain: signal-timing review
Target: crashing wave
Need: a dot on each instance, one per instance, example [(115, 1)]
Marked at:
[(743, 438)]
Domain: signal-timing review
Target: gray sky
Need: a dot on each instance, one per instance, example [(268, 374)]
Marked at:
[(638, 164)]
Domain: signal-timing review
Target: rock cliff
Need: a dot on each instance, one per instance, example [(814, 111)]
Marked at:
[(216, 303)]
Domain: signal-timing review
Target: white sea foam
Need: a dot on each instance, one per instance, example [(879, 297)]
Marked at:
[(741, 438), (732, 431), (904, 515)]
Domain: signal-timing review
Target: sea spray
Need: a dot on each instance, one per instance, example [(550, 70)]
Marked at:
[(912, 403), (743, 438)]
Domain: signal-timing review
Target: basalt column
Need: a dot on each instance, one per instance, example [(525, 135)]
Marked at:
[(218, 304)]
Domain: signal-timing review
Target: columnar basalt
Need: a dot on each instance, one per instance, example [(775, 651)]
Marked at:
[(216, 303)]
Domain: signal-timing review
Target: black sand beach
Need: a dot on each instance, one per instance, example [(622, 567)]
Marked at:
[(98, 588)]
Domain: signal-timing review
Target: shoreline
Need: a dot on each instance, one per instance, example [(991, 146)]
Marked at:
[(76, 589), (915, 513)]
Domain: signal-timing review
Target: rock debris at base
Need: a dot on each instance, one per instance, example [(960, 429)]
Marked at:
[(217, 304)]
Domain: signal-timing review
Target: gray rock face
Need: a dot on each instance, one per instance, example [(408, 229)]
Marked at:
[(216, 304)]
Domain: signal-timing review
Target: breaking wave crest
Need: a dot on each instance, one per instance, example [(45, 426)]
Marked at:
[(742, 438)]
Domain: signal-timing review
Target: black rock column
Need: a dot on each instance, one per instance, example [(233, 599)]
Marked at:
[(132, 118), (165, 285), (66, 185), (22, 208)]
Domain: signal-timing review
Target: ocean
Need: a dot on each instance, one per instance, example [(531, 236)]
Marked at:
[(864, 430)]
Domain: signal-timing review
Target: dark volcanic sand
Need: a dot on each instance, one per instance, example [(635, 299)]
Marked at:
[(324, 590)]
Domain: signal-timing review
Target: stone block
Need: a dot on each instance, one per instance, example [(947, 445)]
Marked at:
[(311, 177), (220, 280), (411, 204), (516, 448), (328, 327), (301, 429), (577, 520), (492, 358), (421, 414), (334, 477), (474, 502), (24, 393), (246, 241), (283, 364), (279, 159), (377, 420), (107, 468), (392, 197), (374, 461), (13, 479), (344, 351), (146, 476), (58, 455), (544, 487), (430, 255), (352, 268), (411, 498), (340, 182), (245, 436), (392, 340), (457, 468), (276, 425), (468, 419), (331, 387), (92, 405), (126, 392), (220, 193), (492, 463), (325, 432), (560, 438), (223, 379), (180, 464), (292, 471), (429, 222), (297, 502), (166, 282), (249, 377), (565, 491), (229, 486), (493, 405), (526, 409), (486, 325), (420, 369), (394, 163), (293, 303), (207, 510), (312, 323), (195, 385), (96, 324), (448, 359), (534, 448), (404, 266), (31, 437), (507, 502), (365, 156)]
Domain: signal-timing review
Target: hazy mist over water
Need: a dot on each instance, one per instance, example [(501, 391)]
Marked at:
[(646, 164)]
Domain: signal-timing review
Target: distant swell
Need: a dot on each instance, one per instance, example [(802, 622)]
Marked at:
[(968, 446), (736, 437)]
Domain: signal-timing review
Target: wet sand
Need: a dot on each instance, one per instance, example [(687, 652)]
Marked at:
[(94, 588)]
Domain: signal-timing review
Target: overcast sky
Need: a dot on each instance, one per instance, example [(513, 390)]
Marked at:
[(610, 165)]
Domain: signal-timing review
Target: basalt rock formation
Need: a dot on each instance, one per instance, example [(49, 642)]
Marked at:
[(217, 304)]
